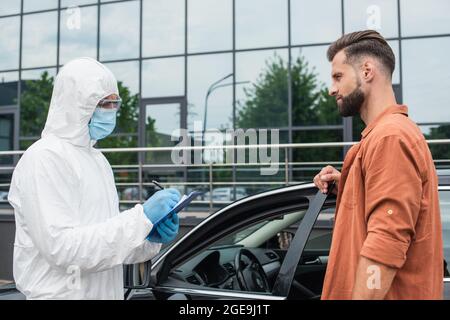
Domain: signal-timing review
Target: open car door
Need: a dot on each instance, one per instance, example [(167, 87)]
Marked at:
[(164, 286), (288, 269)]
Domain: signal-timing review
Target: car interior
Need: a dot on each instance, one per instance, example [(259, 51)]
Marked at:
[(249, 259)]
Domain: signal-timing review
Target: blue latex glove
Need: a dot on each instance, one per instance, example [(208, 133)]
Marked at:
[(166, 230), (160, 204)]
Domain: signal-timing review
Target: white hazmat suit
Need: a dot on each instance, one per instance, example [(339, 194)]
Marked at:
[(71, 240)]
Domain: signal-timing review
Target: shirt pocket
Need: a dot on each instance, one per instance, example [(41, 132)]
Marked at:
[(353, 184)]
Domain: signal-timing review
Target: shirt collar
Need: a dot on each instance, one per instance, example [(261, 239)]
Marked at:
[(397, 108)]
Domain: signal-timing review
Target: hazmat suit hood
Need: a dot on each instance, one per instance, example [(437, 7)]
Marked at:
[(78, 88)]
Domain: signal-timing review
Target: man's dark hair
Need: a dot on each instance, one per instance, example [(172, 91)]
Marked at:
[(364, 43)]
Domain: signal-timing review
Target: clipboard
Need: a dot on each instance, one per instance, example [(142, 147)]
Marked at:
[(183, 203)]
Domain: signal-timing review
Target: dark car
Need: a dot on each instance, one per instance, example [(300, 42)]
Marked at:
[(269, 246)]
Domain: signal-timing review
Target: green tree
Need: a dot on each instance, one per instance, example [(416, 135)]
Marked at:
[(267, 100), (441, 151), (34, 103)]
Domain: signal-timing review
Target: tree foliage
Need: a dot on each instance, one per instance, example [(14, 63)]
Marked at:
[(441, 151), (34, 103), (266, 106)]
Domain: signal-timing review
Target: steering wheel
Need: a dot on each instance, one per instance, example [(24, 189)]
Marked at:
[(250, 276)]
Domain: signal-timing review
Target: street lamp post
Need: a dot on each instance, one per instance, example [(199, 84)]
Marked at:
[(205, 115), (211, 88)]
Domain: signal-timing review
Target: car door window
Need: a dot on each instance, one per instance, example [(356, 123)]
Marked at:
[(310, 273), (444, 197), (319, 239), (214, 267), (322, 232)]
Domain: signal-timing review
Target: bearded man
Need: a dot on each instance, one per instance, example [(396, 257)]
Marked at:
[(387, 238)]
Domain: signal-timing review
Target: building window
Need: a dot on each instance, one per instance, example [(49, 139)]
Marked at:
[(426, 78), (163, 77), (119, 30), (380, 15), (6, 136), (37, 86), (394, 44), (317, 21), (39, 39), (262, 100), (9, 46), (203, 72), (33, 5), (9, 7), (127, 73), (261, 23), (425, 18), (68, 3), (8, 88), (311, 79), (163, 27), (78, 33), (210, 27)]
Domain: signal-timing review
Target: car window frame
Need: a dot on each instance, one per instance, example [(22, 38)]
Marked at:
[(288, 268), (446, 188), (318, 197)]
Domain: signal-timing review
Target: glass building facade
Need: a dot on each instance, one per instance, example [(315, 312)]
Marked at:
[(170, 53)]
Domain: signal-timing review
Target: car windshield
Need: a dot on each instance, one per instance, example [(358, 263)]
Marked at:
[(232, 239), (235, 238), (254, 235)]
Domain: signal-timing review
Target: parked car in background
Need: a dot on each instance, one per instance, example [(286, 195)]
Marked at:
[(3, 196), (132, 193), (226, 194)]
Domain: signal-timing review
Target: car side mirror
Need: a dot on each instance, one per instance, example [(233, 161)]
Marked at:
[(137, 276)]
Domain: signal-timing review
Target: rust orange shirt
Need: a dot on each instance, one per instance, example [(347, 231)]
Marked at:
[(388, 211)]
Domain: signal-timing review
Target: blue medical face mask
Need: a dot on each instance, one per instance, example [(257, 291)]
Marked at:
[(102, 123)]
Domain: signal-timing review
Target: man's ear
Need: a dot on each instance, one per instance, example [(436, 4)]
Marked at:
[(368, 70)]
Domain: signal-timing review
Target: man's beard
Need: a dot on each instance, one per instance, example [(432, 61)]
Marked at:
[(351, 104)]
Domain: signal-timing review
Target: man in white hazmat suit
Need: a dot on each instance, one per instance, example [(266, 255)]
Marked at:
[(71, 239)]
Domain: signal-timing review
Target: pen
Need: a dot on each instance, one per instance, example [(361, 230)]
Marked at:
[(156, 183)]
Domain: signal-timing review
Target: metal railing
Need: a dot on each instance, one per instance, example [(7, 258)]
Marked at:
[(286, 165)]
